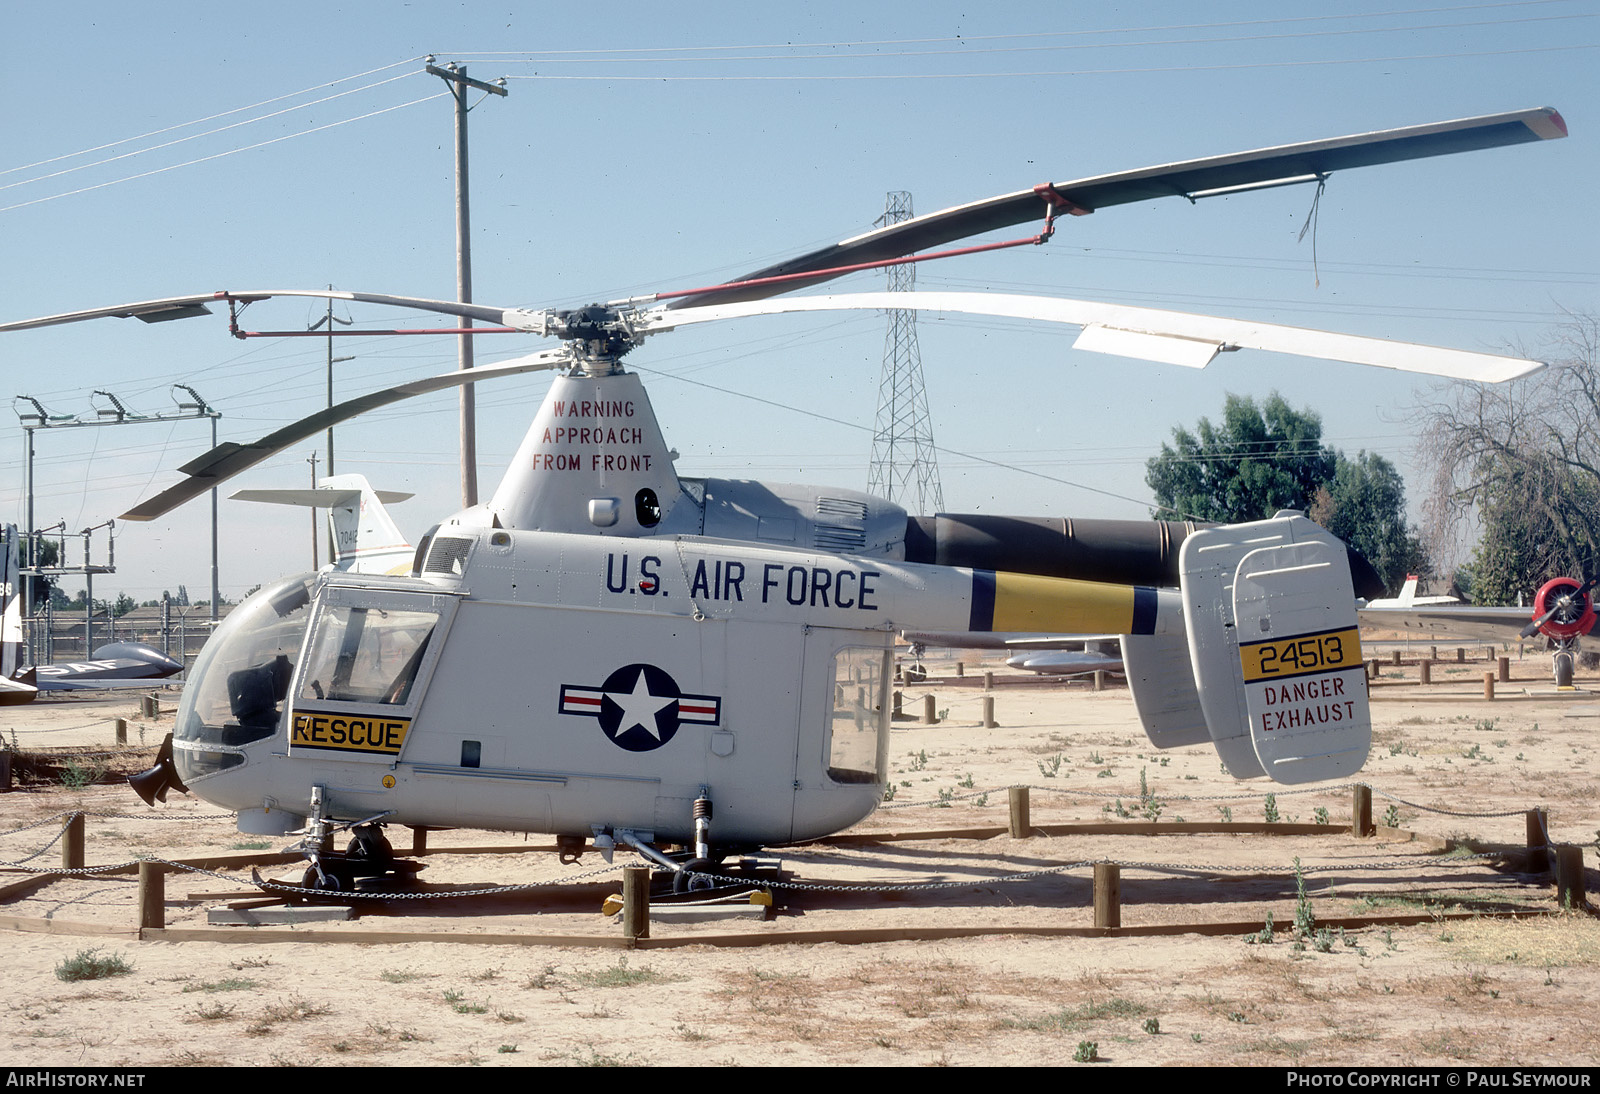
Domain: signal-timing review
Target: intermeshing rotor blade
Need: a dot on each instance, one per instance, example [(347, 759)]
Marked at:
[(229, 459), (1193, 179), (1146, 333), (182, 307)]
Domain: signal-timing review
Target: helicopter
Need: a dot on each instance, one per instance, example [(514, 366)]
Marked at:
[(620, 655)]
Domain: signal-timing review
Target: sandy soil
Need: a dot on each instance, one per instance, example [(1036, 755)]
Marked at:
[(1446, 991)]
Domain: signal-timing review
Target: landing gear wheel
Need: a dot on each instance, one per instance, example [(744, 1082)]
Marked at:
[(682, 882), (324, 881), (1563, 670), (371, 849)]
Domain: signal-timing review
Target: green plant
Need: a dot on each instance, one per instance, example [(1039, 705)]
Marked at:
[(1050, 766), (1227, 813), (1270, 809), (1320, 815), (967, 783), (1305, 920), (1088, 1052), (76, 776), (1152, 1026), (888, 792), (1391, 817), (945, 797), (506, 1048), (1264, 936), (92, 965), (919, 760)]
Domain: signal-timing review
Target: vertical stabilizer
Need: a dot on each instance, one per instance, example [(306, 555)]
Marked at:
[(365, 538)]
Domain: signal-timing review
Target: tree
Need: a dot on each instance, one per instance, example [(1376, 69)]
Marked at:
[(1364, 504), (1261, 460), (1521, 463)]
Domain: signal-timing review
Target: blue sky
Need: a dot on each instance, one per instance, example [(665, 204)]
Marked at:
[(644, 147)]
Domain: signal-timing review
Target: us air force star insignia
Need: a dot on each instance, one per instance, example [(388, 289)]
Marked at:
[(640, 707)]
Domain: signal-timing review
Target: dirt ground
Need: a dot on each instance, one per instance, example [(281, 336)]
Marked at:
[(1448, 990)]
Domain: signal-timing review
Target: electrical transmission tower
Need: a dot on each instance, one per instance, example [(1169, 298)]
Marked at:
[(905, 467)]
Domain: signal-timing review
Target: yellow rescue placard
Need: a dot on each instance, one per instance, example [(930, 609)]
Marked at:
[(349, 732), (1301, 655)]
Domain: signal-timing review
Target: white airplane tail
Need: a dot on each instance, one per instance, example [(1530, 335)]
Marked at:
[(365, 537), (1279, 681)]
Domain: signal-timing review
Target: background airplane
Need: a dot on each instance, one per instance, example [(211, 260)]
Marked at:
[(365, 538)]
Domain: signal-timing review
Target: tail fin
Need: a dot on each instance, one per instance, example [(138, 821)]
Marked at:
[(1276, 659), (10, 604), (364, 535)]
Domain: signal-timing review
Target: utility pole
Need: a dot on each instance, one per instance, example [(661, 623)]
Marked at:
[(330, 320), (455, 76), (315, 565)]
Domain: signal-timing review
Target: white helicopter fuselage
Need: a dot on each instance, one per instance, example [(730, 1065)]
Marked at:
[(599, 646)]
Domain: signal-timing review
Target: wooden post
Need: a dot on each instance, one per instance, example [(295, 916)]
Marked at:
[(1488, 685), (636, 902), (1395, 654), (1488, 653), (961, 670), (988, 712), (1426, 670), (419, 840), (1099, 679), (1569, 876), (899, 697), (1361, 811), (1461, 656), (1107, 894), (1505, 670), (928, 715), (152, 895), (122, 731), (5, 771), (1373, 671), (1538, 842), (988, 681), (72, 843), (1433, 653), (1020, 823)]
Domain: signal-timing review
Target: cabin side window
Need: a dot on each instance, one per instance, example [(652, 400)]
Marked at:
[(859, 715), (366, 655)]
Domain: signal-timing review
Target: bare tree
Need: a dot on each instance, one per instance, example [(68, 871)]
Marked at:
[(1522, 462)]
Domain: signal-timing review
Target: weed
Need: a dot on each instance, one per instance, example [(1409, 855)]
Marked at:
[(1088, 1052), (250, 963), (981, 800), (686, 1034), (945, 797), (486, 974), (1264, 936), (1270, 809), (402, 976), (506, 1048), (1149, 804), (232, 983), (1227, 813), (1152, 1026), (620, 976), (1094, 759), (249, 845), (967, 783), (888, 793), (1391, 817), (211, 1012), (1195, 1037), (1305, 921), (1320, 815), (919, 760), (1050, 766), (92, 965), (75, 776)]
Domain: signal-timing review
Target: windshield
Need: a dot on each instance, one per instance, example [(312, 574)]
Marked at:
[(240, 679)]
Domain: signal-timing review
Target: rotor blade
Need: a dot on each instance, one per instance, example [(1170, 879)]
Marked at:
[(1192, 179), (1148, 333), (228, 459), (182, 307)]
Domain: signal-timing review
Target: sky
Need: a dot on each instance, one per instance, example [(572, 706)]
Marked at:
[(644, 147)]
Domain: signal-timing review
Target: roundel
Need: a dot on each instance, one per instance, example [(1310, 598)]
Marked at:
[(640, 707)]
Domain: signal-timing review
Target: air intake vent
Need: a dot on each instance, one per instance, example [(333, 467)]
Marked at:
[(837, 537), (847, 508), (841, 524), (448, 556)]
